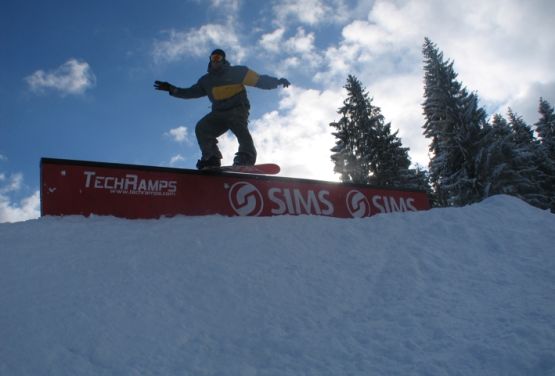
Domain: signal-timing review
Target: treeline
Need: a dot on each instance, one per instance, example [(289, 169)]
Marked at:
[(471, 156)]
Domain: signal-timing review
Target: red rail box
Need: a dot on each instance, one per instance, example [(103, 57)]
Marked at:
[(131, 191)]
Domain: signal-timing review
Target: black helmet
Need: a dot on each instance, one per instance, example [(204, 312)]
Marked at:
[(218, 51)]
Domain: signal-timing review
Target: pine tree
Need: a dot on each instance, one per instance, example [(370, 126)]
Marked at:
[(354, 130), (366, 151), (506, 160), (390, 159), (527, 159), (492, 159), (419, 179), (523, 134), (454, 123), (545, 127)]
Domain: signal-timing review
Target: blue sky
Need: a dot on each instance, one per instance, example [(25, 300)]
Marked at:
[(76, 77)]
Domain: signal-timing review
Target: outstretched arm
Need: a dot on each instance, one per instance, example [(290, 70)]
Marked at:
[(194, 91), (284, 82), (261, 81), (163, 86), (269, 82)]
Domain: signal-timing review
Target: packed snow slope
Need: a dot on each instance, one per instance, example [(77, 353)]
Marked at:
[(462, 291)]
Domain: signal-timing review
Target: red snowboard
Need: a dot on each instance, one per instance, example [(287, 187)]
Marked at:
[(262, 168)]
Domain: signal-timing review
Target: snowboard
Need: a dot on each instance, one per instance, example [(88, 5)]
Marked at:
[(262, 168)]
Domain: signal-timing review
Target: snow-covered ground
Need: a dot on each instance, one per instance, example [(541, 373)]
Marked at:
[(465, 291)]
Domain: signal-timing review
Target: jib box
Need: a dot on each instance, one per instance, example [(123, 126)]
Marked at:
[(70, 187)]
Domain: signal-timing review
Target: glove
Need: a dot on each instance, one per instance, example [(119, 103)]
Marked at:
[(164, 86), (284, 82)]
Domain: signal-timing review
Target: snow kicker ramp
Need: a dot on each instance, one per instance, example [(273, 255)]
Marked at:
[(467, 291), (131, 191)]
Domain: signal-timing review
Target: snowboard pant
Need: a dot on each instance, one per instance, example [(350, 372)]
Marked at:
[(216, 123)]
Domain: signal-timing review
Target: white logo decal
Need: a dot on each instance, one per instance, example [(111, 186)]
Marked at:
[(130, 184), (358, 204), (245, 199)]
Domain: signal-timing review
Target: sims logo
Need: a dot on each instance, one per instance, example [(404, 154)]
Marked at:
[(245, 199), (358, 204)]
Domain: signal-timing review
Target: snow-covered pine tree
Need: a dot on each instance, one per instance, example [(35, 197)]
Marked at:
[(356, 126), (419, 179), (342, 157), (366, 151), (522, 133), (492, 159), (545, 127), (526, 161), (454, 123), (505, 160), (390, 163)]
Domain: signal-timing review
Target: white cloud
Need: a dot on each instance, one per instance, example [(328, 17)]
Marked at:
[(301, 43), (527, 104), (13, 183), (179, 134), (227, 6), (27, 208), (500, 48), (72, 77), (292, 62), (297, 53), (199, 42), (271, 42), (310, 12), (400, 99), (176, 160)]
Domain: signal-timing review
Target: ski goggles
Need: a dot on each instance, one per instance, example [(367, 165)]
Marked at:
[(216, 58)]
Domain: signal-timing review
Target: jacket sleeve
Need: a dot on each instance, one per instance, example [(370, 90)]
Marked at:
[(260, 81), (267, 82), (195, 91)]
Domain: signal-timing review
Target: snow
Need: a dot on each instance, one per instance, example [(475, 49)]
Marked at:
[(458, 291)]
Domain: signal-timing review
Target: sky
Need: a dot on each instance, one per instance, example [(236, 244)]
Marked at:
[(76, 77)]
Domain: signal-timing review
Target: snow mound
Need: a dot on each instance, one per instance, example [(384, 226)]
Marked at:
[(462, 291)]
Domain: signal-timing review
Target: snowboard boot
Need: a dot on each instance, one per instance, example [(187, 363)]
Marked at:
[(212, 162), (243, 159)]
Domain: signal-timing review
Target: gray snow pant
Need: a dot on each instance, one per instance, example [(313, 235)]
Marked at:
[(216, 123)]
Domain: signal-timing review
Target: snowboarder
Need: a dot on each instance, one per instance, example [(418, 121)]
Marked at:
[(225, 87)]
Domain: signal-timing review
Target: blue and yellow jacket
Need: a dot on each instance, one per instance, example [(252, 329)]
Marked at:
[(226, 87)]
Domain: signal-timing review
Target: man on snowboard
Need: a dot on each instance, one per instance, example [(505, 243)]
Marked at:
[(225, 87)]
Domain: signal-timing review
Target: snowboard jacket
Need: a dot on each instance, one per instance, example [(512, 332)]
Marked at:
[(226, 87)]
